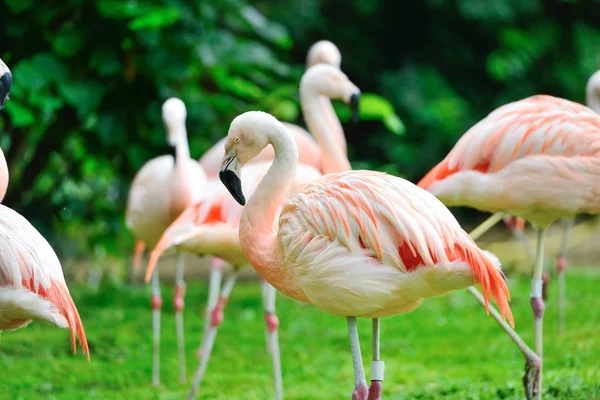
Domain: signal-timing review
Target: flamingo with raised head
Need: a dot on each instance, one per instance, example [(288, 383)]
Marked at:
[(536, 158), (32, 284), (355, 244), (211, 225), (160, 191), (322, 52)]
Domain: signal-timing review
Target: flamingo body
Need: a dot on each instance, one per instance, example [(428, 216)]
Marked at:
[(366, 244), (151, 206), (353, 243), (32, 285), (523, 158)]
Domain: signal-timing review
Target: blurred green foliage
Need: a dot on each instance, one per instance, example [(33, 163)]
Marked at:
[(90, 77)]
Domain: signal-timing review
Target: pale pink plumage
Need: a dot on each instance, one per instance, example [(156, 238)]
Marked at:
[(211, 225), (366, 244), (538, 159), (160, 191), (355, 243), (522, 159), (32, 285), (155, 201)]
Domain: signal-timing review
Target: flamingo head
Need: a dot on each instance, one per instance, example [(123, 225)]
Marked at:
[(5, 84)]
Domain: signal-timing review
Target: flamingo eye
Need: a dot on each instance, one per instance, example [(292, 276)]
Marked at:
[(237, 139)]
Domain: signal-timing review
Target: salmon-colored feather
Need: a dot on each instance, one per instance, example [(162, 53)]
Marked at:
[(28, 264), (389, 220), (522, 158), (537, 125)]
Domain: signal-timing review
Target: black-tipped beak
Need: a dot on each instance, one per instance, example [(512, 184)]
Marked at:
[(233, 183), (354, 106), (172, 150), (5, 84)]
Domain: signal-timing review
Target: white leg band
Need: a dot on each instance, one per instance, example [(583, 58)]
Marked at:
[(377, 370), (536, 288)]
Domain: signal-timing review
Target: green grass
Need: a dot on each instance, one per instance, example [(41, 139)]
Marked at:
[(447, 348)]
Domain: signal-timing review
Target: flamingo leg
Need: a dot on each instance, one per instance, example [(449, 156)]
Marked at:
[(533, 362), (377, 366), (272, 322), (360, 382), (214, 288), (209, 339), (537, 304), (561, 265), (486, 225), (179, 304), (156, 306), (263, 288)]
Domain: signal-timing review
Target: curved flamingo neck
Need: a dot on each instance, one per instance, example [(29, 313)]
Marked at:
[(258, 225), (592, 92), (592, 99), (182, 148), (3, 176), (324, 124)]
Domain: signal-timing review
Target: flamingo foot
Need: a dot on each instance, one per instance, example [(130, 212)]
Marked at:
[(360, 392), (533, 367)]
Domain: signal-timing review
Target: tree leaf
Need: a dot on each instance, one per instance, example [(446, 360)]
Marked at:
[(20, 115), (157, 18)]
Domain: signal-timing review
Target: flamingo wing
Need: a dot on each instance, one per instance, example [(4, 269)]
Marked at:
[(31, 275), (537, 125), (388, 223)]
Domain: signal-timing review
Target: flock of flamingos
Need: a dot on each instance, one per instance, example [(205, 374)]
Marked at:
[(356, 244)]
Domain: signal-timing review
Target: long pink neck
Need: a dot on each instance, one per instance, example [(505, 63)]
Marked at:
[(181, 194), (258, 226), (3, 176), (324, 124)]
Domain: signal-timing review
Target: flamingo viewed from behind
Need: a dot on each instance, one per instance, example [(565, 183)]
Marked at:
[(355, 244), (32, 284), (536, 158), (160, 191), (202, 227)]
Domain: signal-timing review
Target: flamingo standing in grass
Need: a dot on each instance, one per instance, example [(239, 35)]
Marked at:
[(355, 244), (211, 225), (160, 191), (32, 285), (322, 52), (516, 225), (537, 158)]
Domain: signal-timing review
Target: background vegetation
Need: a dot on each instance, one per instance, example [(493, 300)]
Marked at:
[(90, 77)]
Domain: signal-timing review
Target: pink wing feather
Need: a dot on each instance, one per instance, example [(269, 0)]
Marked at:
[(27, 261), (537, 125), (390, 220)]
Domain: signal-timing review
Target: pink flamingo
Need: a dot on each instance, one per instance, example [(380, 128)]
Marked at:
[(537, 158), (32, 284), (592, 97), (160, 191), (322, 52), (211, 225), (355, 244)]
